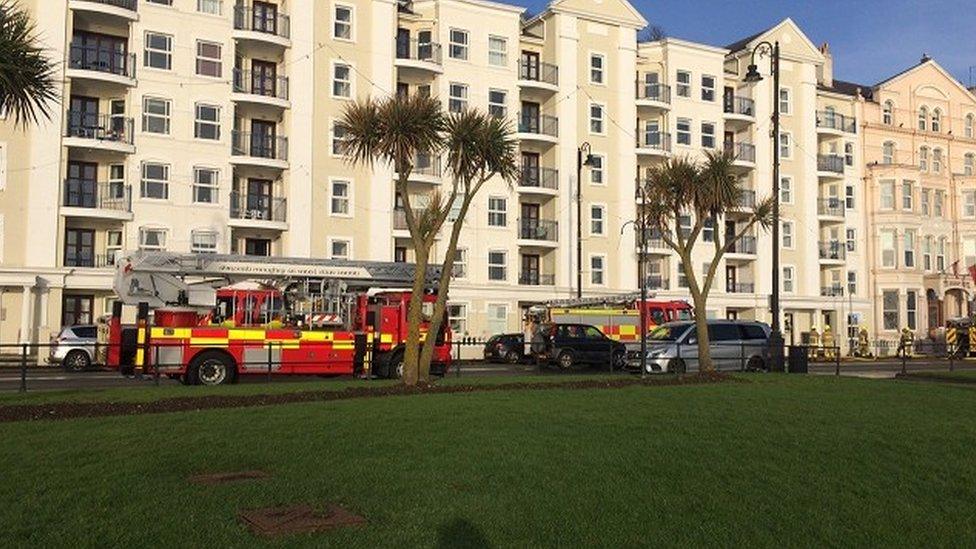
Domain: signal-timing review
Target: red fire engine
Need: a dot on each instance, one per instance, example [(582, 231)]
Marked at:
[(618, 316), (216, 317)]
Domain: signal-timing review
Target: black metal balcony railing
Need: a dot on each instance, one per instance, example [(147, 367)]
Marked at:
[(259, 145), (834, 121), (538, 229), (835, 290), (747, 198), (542, 124), (542, 178), (84, 258), (654, 140), (743, 152), (833, 250), (103, 127), (739, 105), (740, 287), (418, 51), (831, 206), (259, 207), (100, 59), (652, 241), (830, 163), (400, 218), (539, 72), (427, 164), (534, 278), (124, 4), (654, 92), (262, 20), (257, 83), (83, 193), (658, 282), (745, 245)]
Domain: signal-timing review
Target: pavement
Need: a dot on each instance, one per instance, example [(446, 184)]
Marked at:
[(51, 378)]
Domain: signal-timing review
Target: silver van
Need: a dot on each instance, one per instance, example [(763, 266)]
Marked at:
[(74, 347), (734, 345)]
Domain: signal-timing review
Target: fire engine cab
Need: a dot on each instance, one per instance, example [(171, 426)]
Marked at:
[(617, 316), (208, 318)]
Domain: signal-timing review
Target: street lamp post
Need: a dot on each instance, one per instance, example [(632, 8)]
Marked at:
[(641, 196), (752, 75), (580, 162)]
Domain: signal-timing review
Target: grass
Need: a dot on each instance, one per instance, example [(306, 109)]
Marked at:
[(777, 460), (964, 376)]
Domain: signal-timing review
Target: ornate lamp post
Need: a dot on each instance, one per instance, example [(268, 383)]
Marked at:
[(580, 162)]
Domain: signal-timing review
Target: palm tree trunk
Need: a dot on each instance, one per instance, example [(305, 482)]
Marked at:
[(411, 371), (701, 327)]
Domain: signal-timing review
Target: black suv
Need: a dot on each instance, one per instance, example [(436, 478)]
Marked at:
[(566, 345), (505, 348)]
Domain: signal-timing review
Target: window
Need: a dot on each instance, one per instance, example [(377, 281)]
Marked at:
[(341, 80), (203, 242), (597, 162), (849, 154), (113, 245), (909, 249), (788, 279), (923, 117), (597, 65), (785, 101), (597, 266), (458, 44), (205, 185), (497, 265), (940, 252), (152, 238), (707, 88), (888, 153), (907, 195), (969, 124), (937, 160), (497, 318), (851, 283), (155, 115), (338, 136), (925, 201), (457, 318), (911, 309), (497, 51), (682, 277), (888, 113), (207, 124), (927, 253), (458, 97), (786, 232), (889, 300), (708, 135), (210, 7), (785, 145), (969, 251), (497, 100), (969, 164), (339, 197), (851, 239), (887, 195), (161, 2), (597, 217), (849, 201), (460, 267), (596, 118), (939, 200), (497, 211), (936, 120), (684, 225), (684, 84), (339, 249), (923, 159), (684, 131), (786, 189), (159, 51), (342, 22), (155, 181), (888, 249), (208, 59), (969, 204), (708, 230)]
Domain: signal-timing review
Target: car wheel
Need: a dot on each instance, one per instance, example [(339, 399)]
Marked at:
[(76, 361), (211, 368), (756, 364), (394, 368), (565, 360), (619, 359), (677, 366), (512, 357)]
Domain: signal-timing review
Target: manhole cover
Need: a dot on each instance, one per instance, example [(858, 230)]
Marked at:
[(297, 519), (223, 478)]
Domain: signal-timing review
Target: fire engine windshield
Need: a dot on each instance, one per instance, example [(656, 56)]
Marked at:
[(683, 314)]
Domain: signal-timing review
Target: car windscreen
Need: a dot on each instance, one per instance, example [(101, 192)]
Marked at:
[(85, 332), (753, 331), (667, 332)]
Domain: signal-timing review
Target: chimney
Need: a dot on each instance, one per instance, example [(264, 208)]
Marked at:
[(825, 73), (925, 57)]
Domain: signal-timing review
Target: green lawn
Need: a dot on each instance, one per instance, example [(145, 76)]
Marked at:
[(775, 460), (962, 376)]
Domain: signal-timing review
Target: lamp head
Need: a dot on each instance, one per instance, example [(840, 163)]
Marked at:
[(752, 74)]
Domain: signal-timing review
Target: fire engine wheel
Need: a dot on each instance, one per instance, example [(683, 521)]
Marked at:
[(211, 368), (394, 368), (76, 361), (566, 360)]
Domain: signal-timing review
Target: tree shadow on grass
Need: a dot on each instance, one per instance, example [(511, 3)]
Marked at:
[(461, 532)]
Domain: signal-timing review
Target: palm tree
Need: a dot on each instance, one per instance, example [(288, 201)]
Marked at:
[(479, 147), (703, 194), (27, 83), (394, 131)]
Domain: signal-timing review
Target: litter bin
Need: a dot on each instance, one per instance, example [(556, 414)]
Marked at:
[(799, 359)]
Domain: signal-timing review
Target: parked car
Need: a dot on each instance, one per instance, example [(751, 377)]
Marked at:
[(74, 347), (505, 348), (733, 345), (567, 345)]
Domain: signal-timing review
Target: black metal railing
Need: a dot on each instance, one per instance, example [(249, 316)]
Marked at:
[(538, 229), (832, 206), (652, 241), (539, 72), (84, 258), (660, 141), (834, 121), (534, 278), (418, 51), (830, 163), (835, 290), (747, 198), (746, 244), (103, 127), (400, 218), (832, 250), (258, 145), (542, 124), (101, 59), (654, 92), (124, 4), (257, 83), (740, 287), (84, 193), (427, 164), (743, 152), (542, 178), (258, 207), (262, 20), (739, 105)]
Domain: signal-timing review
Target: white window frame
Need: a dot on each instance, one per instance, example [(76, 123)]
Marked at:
[(850, 197), (909, 240), (937, 160), (462, 48), (786, 189), (346, 199), (923, 159), (598, 225), (165, 117), (969, 164), (889, 256), (495, 214), (936, 120), (788, 234), (785, 150), (707, 135), (938, 207), (851, 283), (908, 198), (459, 267), (708, 90), (679, 132), (923, 118), (495, 108), (218, 61), (789, 279), (148, 51), (496, 323), (598, 75), (210, 7), (145, 231), (598, 168), (595, 271), (969, 204), (888, 152), (333, 240), (886, 199), (601, 122), (785, 101), (144, 181), (457, 103), (198, 247), (888, 113), (337, 84), (457, 315), (213, 187), (969, 130), (682, 89), (200, 123), (497, 57), (503, 265), (334, 140), (885, 311), (350, 24)]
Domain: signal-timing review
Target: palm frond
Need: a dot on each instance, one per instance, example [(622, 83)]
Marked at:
[(479, 146), (27, 82), (393, 130)]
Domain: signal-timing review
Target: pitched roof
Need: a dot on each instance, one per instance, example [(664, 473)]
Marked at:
[(844, 87), (741, 44)]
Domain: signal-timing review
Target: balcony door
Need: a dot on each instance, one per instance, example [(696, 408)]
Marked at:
[(262, 139), (79, 248), (81, 187), (530, 269), (83, 117), (76, 310), (98, 52), (728, 99), (257, 246), (651, 88), (403, 43), (265, 17), (530, 65), (263, 77), (258, 199), (425, 51), (530, 169), (731, 278), (530, 117), (530, 221)]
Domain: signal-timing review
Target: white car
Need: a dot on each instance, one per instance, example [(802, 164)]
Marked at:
[(734, 345), (74, 347)]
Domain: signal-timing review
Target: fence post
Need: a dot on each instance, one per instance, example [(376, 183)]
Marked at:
[(837, 361), (610, 346), (904, 361), (457, 371), (23, 368), (742, 356), (677, 352), (156, 367), (950, 353), (269, 360)]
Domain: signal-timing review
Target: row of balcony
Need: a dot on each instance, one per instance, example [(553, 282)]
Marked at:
[(542, 230), (832, 122)]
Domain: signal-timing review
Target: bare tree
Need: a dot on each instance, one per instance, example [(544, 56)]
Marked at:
[(652, 33)]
